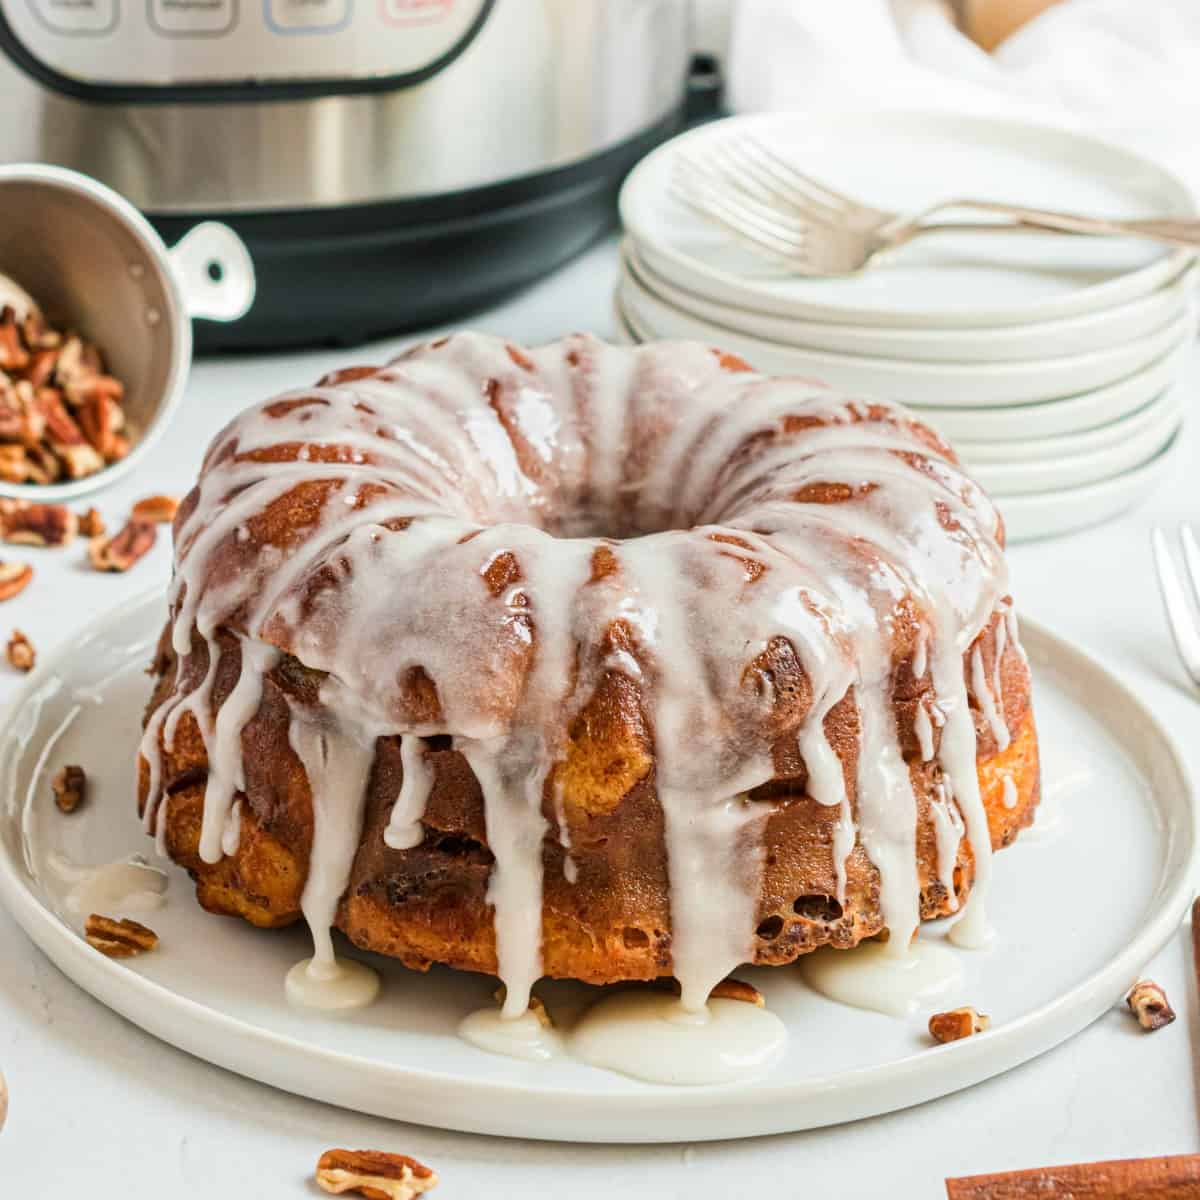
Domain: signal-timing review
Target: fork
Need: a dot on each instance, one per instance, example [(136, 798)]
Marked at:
[(777, 210), (1183, 625)]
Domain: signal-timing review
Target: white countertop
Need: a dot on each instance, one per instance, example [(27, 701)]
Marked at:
[(103, 1110)]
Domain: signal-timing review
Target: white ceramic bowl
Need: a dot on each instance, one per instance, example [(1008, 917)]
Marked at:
[(1081, 334)]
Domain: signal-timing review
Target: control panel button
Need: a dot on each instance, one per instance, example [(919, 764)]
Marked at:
[(192, 18), (415, 12), (307, 16), (76, 16)]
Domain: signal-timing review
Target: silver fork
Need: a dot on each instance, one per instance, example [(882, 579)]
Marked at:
[(1185, 627), (776, 209)]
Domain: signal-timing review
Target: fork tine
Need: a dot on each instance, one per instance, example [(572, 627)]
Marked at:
[(787, 172), (698, 176), (1191, 557), (1179, 615), (745, 169)]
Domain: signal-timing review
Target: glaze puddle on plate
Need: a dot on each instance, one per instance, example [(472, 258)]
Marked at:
[(216, 987)]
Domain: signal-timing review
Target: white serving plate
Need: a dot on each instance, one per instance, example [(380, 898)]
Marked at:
[(1119, 804), (1075, 414), (904, 162), (1141, 439), (1045, 339), (920, 384), (1067, 509)]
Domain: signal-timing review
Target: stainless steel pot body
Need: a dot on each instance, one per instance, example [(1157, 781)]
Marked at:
[(150, 96)]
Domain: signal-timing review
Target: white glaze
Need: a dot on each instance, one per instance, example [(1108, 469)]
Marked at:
[(525, 1035), (337, 986), (127, 885), (476, 455), (872, 976), (1011, 795), (650, 1035)]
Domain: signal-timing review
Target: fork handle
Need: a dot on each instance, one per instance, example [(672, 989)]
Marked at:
[(1176, 231)]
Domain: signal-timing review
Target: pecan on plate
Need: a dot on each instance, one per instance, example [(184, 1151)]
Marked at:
[(1148, 1002), (373, 1174), (25, 523), (70, 788), (118, 939), (91, 523), (956, 1024), (159, 509)]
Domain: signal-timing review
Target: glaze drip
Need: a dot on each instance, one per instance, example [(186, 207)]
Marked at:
[(523, 504)]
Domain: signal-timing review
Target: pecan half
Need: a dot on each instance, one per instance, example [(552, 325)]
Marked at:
[(1148, 1002), (374, 1174), (70, 788), (956, 1024), (118, 939), (20, 652), (22, 522), (14, 579), (736, 989), (14, 464), (159, 509), (122, 550)]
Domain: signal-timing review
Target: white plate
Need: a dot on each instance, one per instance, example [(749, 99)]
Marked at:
[(904, 162), (1073, 414), (1065, 510), (920, 384), (1068, 445), (215, 987), (1046, 339), (1143, 438)]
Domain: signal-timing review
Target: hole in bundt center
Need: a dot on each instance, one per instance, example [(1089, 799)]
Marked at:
[(817, 908)]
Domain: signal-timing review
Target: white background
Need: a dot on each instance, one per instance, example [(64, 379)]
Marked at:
[(102, 1110)]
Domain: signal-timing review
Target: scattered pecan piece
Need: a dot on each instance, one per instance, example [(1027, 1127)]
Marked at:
[(118, 939), (91, 523), (14, 579), (70, 788), (737, 989), (159, 509), (20, 651), (22, 522), (1148, 1002), (122, 550), (374, 1174), (956, 1024)]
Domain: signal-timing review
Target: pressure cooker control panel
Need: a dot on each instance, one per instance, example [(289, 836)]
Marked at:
[(168, 49)]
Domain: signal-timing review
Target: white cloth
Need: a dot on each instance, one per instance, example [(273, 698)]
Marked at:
[(1126, 70)]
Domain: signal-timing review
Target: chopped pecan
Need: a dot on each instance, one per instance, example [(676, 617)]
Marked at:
[(100, 418), (14, 464), (122, 550), (118, 939), (20, 652), (14, 579), (1148, 1002), (956, 1024), (91, 524), (736, 989), (160, 509), (66, 439), (24, 522), (13, 355), (70, 788), (373, 1174), (43, 465)]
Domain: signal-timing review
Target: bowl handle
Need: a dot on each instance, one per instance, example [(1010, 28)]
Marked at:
[(214, 271)]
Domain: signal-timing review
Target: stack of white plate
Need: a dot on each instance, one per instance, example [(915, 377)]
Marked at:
[(1048, 361)]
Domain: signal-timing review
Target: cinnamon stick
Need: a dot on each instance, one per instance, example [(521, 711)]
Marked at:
[(1196, 941), (1174, 1178)]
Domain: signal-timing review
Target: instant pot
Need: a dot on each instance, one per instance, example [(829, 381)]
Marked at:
[(389, 163)]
